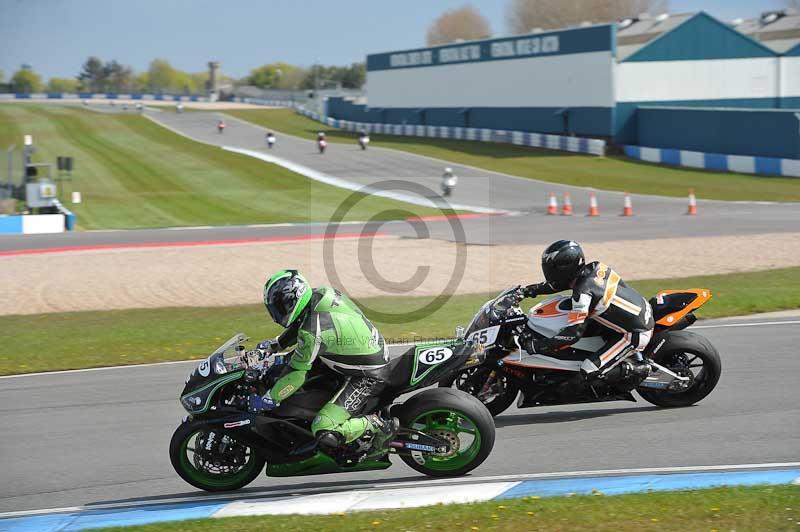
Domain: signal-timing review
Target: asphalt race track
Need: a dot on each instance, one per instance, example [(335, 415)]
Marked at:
[(101, 436), (655, 217)]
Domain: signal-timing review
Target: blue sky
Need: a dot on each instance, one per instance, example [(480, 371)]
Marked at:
[(56, 36)]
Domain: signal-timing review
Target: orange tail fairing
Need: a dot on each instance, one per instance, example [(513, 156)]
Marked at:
[(703, 295)]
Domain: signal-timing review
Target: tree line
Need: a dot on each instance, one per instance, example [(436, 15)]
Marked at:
[(286, 76), (464, 23), (100, 76), (524, 16), (111, 76)]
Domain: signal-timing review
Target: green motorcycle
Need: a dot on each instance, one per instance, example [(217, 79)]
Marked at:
[(220, 446)]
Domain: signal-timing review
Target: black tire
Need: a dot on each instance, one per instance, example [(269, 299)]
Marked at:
[(496, 406), (685, 342), (458, 402), (177, 455)]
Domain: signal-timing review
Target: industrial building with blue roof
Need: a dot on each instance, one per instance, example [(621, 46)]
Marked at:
[(678, 82)]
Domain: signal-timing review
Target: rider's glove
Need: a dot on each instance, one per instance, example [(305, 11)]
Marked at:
[(269, 346), (257, 404), (533, 290)]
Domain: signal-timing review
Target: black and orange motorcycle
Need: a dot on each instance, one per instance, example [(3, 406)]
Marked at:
[(684, 366)]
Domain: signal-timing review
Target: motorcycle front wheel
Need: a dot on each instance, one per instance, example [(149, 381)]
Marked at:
[(471, 380), (456, 417), (212, 459)]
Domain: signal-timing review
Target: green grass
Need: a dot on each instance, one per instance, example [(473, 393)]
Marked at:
[(743, 509), (133, 173), (48, 342), (611, 173)]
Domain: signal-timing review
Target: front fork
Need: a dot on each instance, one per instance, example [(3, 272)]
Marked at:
[(487, 386)]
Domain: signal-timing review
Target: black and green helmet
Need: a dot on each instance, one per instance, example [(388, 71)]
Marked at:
[(286, 295)]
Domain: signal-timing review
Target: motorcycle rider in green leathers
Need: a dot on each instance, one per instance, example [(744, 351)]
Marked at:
[(326, 327)]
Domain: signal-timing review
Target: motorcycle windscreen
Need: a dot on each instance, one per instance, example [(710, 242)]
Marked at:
[(485, 326), (215, 364)]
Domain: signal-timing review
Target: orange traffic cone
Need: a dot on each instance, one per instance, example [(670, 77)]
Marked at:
[(627, 209), (593, 210), (566, 208), (552, 206), (692, 203)]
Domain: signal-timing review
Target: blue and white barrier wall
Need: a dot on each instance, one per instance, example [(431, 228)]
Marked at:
[(69, 216), (716, 161), (271, 103), (32, 224), (102, 96), (519, 138)]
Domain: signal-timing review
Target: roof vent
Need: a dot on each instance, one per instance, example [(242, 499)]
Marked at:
[(771, 16), (662, 17), (626, 22)]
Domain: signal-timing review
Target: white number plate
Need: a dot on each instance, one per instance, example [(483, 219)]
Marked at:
[(486, 337), (434, 355)]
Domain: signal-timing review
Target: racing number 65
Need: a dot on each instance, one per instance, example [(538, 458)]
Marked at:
[(480, 337), (432, 356)]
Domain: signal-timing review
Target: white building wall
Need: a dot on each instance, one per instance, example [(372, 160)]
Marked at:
[(790, 77), (712, 79), (570, 80)]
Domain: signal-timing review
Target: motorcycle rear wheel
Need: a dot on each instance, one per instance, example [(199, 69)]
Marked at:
[(685, 351), (185, 440), (457, 417)]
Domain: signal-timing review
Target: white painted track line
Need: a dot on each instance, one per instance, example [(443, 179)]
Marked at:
[(270, 494)]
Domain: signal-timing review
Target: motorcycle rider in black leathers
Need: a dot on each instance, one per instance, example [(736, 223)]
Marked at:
[(598, 294)]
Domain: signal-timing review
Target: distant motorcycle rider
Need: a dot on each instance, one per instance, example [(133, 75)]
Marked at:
[(598, 294), (449, 181), (326, 327), (363, 139)]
